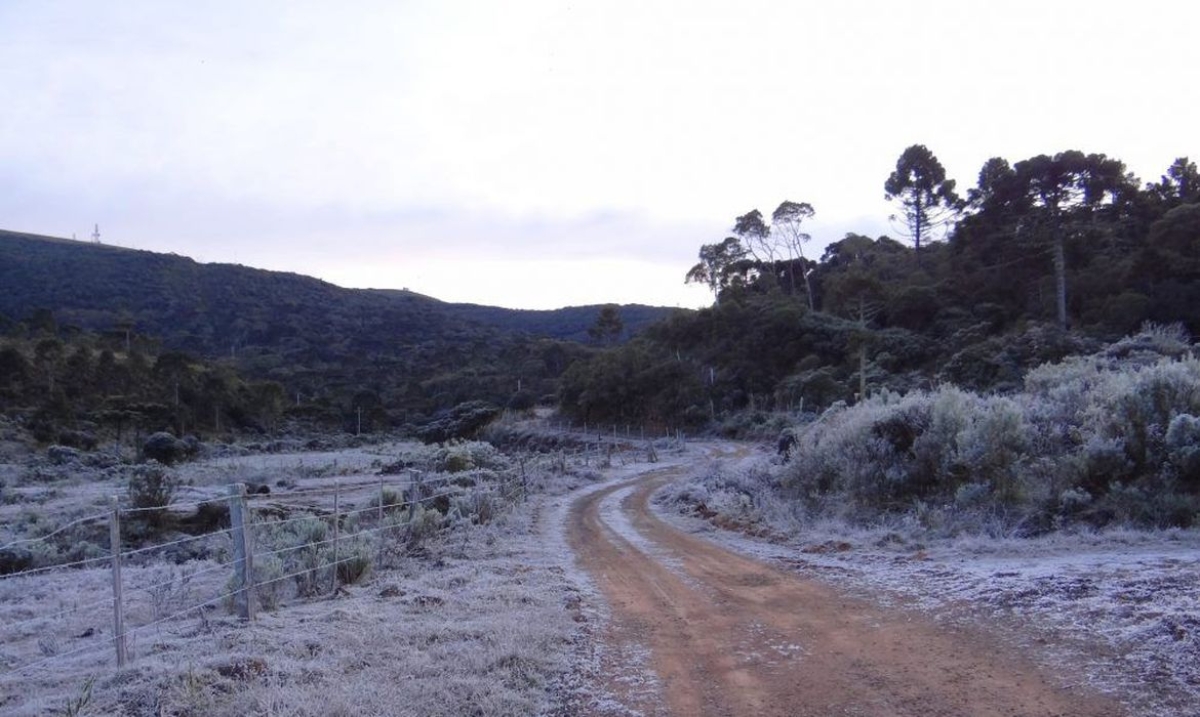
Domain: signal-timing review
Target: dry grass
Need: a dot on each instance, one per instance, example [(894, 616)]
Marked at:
[(482, 620)]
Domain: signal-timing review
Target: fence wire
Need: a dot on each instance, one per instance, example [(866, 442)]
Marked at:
[(61, 529), (406, 486)]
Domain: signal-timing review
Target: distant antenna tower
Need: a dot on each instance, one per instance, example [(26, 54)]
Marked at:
[(96, 234)]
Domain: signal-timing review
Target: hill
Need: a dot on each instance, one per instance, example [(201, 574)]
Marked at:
[(401, 350)]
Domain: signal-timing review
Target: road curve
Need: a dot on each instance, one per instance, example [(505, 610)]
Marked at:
[(729, 635)]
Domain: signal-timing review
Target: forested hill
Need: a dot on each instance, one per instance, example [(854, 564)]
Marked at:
[(406, 351), (569, 324), (213, 308), (202, 308), (1045, 257)]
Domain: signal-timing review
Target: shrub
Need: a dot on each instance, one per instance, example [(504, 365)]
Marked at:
[(424, 524), (1113, 436), (1183, 449), (463, 421), (164, 448), (15, 560), (151, 487), (62, 455), (269, 583), (522, 401), (78, 439), (354, 569)]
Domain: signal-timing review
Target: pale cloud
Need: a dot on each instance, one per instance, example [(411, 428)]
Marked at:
[(574, 136)]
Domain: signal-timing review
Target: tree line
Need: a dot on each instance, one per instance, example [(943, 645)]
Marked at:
[(1042, 258)]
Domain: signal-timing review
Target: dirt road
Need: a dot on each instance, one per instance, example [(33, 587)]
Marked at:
[(728, 635)]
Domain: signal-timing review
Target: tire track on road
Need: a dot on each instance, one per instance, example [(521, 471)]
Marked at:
[(733, 636)]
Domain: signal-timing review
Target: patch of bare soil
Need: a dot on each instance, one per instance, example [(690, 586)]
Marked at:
[(728, 635)]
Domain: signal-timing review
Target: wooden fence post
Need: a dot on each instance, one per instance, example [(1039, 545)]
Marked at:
[(114, 542), (379, 511), (243, 555), (337, 489), (524, 482), (379, 517), (414, 494)]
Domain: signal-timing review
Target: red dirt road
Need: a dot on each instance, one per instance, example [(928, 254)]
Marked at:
[(728, 635)]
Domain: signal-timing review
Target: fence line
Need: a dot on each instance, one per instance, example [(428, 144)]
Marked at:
[(183, 576), (68, 526), (58, 566), (367, 509), (51, 658), (61, 613), (180, 541), (412, 486), (191, 505), (325, 490)]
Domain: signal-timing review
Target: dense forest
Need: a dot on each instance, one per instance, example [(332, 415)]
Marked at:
[(73, 313), (1048, 257), (1044, 258)]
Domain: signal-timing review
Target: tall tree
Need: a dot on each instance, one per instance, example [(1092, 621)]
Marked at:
[(927, 199), (787, 220), (717, 266), (755, 235), (608, 326), (1180, 185), (1063, 192)]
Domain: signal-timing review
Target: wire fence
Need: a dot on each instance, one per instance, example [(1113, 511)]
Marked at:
[(263, 544)]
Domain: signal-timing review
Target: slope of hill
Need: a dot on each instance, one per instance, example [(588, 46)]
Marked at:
[(409, 351), (569, 324)]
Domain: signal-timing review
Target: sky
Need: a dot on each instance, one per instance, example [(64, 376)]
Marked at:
[(545, 154)]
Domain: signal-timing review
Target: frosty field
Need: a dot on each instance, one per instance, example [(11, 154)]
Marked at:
[(498, 617)]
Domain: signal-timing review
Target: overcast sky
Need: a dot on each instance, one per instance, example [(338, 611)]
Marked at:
[(542, 154)]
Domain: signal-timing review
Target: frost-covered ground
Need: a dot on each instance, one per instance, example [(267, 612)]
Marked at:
[(1124, 605), (491, 619), (480, 625), (480, 620), (498, 619)]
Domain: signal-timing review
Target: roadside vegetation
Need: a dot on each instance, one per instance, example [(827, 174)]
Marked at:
[(1104, 440)]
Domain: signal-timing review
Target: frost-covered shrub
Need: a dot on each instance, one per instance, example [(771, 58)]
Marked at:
[(890, 452), (424, 524), (1099, 463), (465, 420), (1151, 343), (151, 488), (1110, 437), (62, 455), (971, 495), (1140, 409), (456, 462), (1074, 500), (82, 440), (300, 553), (1183, 449), (354, 568), (269, 583)]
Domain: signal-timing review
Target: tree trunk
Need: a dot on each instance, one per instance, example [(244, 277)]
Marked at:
[(862, 351), (1060, 278), (808, 289)]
